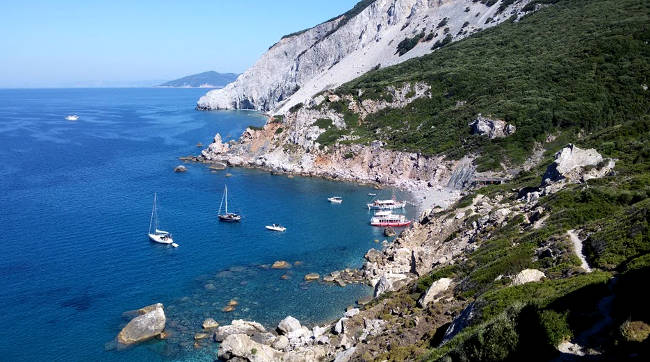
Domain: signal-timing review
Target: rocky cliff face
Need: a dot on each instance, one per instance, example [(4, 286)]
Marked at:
[(332, 53)]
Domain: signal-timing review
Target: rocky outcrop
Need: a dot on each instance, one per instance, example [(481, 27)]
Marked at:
[(575, 164), (242, 347), (303, 64), (492, 128), (238, 326), (435, 290), (527, 276), (149, 324), (288, 325)]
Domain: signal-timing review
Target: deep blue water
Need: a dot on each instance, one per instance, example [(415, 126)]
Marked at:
[(75, 202)]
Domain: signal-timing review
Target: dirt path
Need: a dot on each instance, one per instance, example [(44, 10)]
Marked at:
[(577, 247)]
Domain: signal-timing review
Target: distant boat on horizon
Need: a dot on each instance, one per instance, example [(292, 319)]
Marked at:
[(156, 235), (72, 117), (335, 199), (228, 216)]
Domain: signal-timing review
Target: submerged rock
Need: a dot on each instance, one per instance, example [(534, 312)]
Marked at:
[(312, 276), (144, 327), (210, 323), (281, 264)]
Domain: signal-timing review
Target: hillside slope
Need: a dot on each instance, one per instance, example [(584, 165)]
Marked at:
[(375, 33), (210, 79)]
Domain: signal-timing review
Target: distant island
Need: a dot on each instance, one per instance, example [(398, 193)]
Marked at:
[(209, 79)]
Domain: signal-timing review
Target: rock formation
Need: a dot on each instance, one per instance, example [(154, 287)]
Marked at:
[(492, 128), (149, 324)]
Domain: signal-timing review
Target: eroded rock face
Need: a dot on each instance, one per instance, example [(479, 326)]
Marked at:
[(301, 65), (145, 326), (492, 128), (576, 164), (435, 290)]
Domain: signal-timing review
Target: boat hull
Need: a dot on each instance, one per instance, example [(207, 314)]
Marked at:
[(282, 229), (160, 240), (391, 223), (229, 218)]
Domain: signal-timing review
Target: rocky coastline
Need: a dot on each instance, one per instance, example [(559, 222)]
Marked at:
[(438, 238)]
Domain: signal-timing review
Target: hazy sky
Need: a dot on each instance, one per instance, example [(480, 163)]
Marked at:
[(63, 43)]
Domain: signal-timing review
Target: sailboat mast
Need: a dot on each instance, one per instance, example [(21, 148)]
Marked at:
[(226, 199), (153, 209)]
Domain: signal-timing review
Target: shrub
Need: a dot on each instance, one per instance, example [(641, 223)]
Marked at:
[(295, 108), (408, 43), (323, 123), (279, 130)]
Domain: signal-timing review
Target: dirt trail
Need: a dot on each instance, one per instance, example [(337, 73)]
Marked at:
[(577, 247)]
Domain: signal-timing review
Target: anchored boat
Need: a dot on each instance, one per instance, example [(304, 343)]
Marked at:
[(156, 235), (335, 199), (275, 227), (386, 205), (228, 216), (387, 218)]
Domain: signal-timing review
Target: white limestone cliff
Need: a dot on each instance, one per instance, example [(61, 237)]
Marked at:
[(299, 66)]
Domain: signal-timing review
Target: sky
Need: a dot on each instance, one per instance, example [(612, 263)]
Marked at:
[(73, 43)]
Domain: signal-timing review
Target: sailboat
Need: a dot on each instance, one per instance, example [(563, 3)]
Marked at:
[(156, 235), (228, 216)]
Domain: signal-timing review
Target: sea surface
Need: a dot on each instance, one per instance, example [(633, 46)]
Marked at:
[(75, 202)]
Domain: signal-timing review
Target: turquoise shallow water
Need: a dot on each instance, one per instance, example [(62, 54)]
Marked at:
[(74, 210)]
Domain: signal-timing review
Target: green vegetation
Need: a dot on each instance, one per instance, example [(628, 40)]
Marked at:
[(279, 130), (295, 108), (256, 128), (408, 43), (323, 123), (587, 74)]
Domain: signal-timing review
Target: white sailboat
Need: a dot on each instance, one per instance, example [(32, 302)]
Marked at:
[(156, 235), (228, 216)]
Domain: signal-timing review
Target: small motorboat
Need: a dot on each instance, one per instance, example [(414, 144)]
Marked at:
[(72, 117), (276, 227), (371, 194), (335, 199), (156, 235)]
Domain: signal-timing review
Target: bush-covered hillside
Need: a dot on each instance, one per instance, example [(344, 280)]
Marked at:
[(571, 66)]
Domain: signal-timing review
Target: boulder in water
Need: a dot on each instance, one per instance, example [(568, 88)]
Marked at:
[(180, 168), (281, 264), (144, 327), (312, 276), (210, 323), (389, 231)]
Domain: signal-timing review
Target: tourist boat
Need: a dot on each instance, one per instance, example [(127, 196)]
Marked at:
[(228, 216), (387, 218), (156, 235), (276, 227), (72, 117), (335, 199), (386, 205)]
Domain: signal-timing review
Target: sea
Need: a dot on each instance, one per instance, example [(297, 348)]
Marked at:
[(75, 206)]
